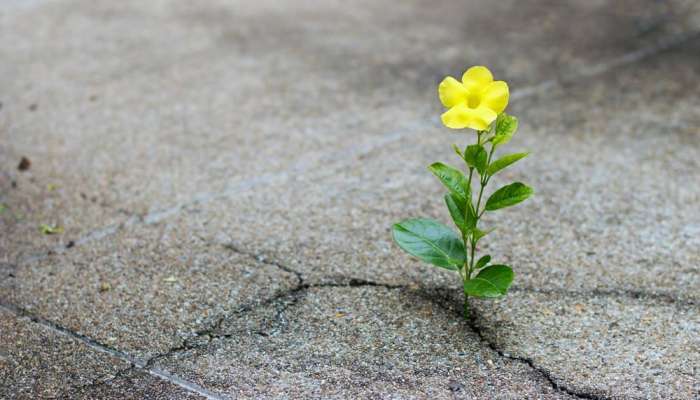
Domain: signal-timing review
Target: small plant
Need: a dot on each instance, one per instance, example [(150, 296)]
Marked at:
[(47, 229), (477, 102)]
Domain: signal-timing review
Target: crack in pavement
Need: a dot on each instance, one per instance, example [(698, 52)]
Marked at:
[(547, 375), (213, 331), (289, 299), (553, 381), (303, 166), (635, 294), (134, 363)]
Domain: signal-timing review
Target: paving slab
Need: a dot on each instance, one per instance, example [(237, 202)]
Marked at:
[(611, 345), (212, 150), (37, 362), (354, 342), (130, 108), (143, 291), (134, 384), (612, 159)]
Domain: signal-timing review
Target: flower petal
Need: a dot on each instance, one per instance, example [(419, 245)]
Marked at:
[(476, 78), (457, 117), (461, 116), (451, 92), (482, 117), (496, 96)]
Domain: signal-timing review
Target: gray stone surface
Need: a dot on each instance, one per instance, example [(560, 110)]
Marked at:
[(607, 344), (36, 361), (611, 171), (308, 345), (133, 385), (226, 175), (123, 122), (145, 290)]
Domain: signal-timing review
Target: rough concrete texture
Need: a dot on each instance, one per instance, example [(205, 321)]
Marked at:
[(37, 361), (145, 290), (605, 343), (226, 175), (123, 122), (610, 169), (133, 384), (308, 344)]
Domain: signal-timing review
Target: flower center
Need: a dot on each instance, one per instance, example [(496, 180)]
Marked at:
[(473, 100)]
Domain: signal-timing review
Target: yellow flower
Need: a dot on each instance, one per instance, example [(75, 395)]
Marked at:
[(475, 102)]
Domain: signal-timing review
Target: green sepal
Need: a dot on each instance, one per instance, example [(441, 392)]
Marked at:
[(493, 281), (430, 241), (504, 162), (458, 151), (508, 195), (453, 179)]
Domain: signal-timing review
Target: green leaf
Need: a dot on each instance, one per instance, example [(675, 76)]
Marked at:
[(472, 219), (506, 125), (452, 178), (476, 157), (508, 195), (504, 161), (459, 209), (483, 261), (492, 281), (430, 241), (478, 233)]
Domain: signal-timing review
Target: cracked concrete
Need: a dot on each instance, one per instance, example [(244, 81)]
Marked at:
[(310, 341), (597, 194), (144, 290), (73, 115), (38, 362), (649, 346), (226, 176)]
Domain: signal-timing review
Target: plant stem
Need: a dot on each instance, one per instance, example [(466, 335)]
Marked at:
[(482, 183), (466, 275), (478, 205), (470, 240), (466, 305), (466, 213)]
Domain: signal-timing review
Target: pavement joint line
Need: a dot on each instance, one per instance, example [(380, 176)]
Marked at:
[(372, 144), (635, 294), (291, 297), (102, 348), (213, 331), (246, 184), (546, 375), (192, 387), (262, 259), (294, 295)]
